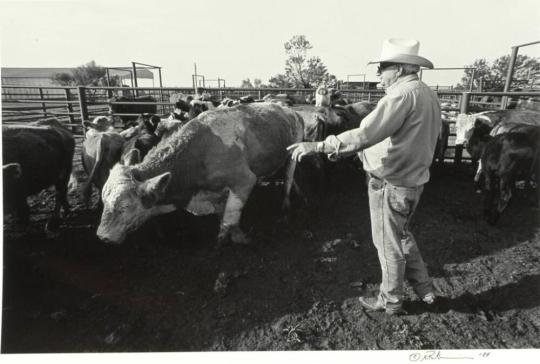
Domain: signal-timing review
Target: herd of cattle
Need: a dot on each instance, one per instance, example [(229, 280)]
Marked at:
[(207, 157)]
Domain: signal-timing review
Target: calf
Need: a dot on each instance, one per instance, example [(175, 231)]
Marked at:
[(101, 150), (210, 165), (36, 156), (507, 158)]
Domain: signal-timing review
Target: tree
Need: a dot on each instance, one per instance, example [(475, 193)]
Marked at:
[(257, 83), (280, 81), (89, 74), (301, 71), (246, 83), (63, 79), (494, 76)]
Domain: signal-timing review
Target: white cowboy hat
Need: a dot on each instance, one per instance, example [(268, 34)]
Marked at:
[(399, 50)]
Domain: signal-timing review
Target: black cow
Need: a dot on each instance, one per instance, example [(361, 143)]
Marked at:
[(35, 156), (507, 158), (319, 122), (141, 137), (474, 131), (130, 120)]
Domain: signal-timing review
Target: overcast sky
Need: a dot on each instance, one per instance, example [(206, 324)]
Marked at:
[(238, 39)]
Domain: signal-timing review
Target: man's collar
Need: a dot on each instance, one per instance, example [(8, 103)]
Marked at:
[(403, 79)]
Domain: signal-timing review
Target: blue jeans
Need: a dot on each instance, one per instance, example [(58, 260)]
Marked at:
[(391, 210)]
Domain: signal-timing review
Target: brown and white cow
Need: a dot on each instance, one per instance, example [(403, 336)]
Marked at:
[(35, 156), (101, 150), (210, 165)]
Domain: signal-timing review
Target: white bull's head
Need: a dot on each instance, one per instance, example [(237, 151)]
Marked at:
[(322, 97), (465, 126), (128, 203)]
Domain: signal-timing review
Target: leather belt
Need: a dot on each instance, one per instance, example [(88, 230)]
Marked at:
[(374, 177)]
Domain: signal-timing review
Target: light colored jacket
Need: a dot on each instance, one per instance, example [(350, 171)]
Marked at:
[(396, 141)]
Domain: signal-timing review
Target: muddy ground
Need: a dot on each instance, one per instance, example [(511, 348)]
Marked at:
[(294, 288)]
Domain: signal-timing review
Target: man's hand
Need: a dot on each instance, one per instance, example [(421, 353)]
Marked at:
[(300, 150)]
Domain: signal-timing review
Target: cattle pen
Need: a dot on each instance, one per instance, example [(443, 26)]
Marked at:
[(71, 105), (169, 288)]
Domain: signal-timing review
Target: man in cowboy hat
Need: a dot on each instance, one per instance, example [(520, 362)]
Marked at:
[(395, 143)]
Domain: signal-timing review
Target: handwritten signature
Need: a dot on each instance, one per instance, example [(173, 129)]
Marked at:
[(437, 355)]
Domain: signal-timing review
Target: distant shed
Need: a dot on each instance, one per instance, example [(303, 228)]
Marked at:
[(38, 76)]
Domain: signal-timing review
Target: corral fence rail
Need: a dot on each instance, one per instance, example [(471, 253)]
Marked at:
[(71, 105)]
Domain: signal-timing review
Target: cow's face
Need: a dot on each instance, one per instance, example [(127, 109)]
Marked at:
[(198, 107), (128, 203), (464, 128), (150, 121), (99, 124)]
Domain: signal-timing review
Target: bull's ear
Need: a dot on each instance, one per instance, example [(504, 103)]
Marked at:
[(133, 157), (154, 189), (14, 170), (87, 124), (155, 120)]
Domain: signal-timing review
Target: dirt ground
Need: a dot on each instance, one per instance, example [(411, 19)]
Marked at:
[(294, 288)]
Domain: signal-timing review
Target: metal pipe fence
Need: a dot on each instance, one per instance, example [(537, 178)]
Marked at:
[(74, 104)]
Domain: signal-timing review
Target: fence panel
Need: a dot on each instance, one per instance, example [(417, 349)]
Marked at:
[(72, 104)]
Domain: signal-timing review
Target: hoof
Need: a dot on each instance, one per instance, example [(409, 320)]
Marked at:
[(223, 239), (232, 234), (52, 229), (53, 224), (239, 237)]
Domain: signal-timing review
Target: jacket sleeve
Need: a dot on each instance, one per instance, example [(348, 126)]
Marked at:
[(381, 123)]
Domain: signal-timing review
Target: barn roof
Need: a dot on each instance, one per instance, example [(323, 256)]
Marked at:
[(39, 72)]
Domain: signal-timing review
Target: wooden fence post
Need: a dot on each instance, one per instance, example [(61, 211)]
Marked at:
[(81, 90), (43, 104), (463, 108), (69, 108)]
